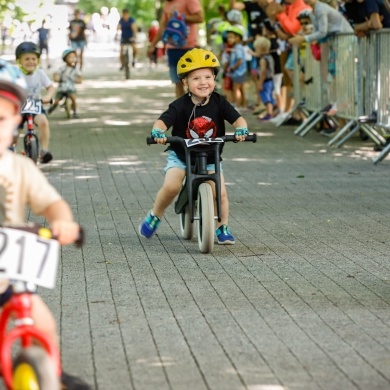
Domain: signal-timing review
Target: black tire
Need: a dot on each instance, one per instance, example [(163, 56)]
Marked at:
[(33, 367), (32, 148), (126, 63), (206, 218), (186, 227)]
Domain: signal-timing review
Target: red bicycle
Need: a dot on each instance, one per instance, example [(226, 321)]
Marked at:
[(36, 365)]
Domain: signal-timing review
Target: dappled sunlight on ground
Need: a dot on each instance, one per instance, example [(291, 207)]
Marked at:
[(132, 84), (266, 387), (263, 134)]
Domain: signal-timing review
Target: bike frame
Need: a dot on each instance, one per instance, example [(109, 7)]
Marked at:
[(30, 130), (20, 308), (197, 174)]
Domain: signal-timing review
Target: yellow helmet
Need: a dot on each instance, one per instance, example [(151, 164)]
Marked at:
[(197, 59)]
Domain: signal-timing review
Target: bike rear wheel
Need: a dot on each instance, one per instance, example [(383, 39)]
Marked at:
[(34, 370), (206, 218), (186, 227), (31, 148), (126, 62)]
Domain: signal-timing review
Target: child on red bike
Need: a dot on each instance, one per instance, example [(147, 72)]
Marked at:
[(23, 184), (199, 113), (27, 57)]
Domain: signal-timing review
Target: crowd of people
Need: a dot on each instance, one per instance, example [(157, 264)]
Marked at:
[(265, 43)]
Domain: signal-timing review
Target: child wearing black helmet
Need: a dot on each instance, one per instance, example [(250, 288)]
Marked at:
[(199, 113), (28, 58), (67, 77)]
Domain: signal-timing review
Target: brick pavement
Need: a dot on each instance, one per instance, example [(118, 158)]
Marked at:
[(300, 302)]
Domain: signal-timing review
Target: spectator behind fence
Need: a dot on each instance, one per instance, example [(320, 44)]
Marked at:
[(255, 15), (265, 83), (328, 22), (375, 12), (354, 12), (285, 22)]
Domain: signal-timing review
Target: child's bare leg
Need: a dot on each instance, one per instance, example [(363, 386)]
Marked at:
[(243, 97), (44, 130), (224, 202), (44, 319), (72, 97), (270, 109), (172, 184)]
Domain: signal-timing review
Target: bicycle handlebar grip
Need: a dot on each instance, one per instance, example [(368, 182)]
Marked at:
[(251, 138), (80, 239), (150, 141), (248, 138)]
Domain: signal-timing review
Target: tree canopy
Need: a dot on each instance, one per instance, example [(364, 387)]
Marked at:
[(144, 11)]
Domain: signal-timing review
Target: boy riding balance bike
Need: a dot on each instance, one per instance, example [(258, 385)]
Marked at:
[(200, 113)]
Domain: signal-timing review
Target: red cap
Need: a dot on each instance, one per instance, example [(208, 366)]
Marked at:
[(10, 96)]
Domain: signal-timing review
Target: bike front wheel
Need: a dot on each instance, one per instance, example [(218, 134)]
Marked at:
[(186, 227), (126, 63), (31, 148), (34, 370), (206, 218)]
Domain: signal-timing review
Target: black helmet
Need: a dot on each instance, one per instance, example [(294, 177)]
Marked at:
[(27, 47)]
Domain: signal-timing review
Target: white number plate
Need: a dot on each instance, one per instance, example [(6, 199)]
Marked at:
[(198, 141), (25, 256), (32, 106)]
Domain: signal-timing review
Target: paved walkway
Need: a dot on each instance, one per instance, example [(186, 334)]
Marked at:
[(300, 302)]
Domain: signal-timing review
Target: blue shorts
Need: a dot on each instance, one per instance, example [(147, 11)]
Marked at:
[(239, 79), (174, 162), (174, 56), (77, 45), (266, 95)]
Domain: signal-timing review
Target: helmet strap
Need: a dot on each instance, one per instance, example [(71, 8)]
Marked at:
[(24, 70), (201, 101)]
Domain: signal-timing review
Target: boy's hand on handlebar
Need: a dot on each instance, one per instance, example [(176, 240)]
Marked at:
[(159, 136), (65, 232), (241, 133), (47, 100)]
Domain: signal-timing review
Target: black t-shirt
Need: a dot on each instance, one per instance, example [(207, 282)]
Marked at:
[(377, 6), (355, 12), (256, 17), (275, 54), (77, 29), (190, 121)]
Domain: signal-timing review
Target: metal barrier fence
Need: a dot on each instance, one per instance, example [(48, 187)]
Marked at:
[(354, 74)]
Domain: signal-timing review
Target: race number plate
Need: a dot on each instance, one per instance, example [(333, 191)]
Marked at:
[(27, 257), (198, 141), (32, 106)]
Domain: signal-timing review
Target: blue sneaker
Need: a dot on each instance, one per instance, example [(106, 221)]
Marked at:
[(224, 236), (149, 225)]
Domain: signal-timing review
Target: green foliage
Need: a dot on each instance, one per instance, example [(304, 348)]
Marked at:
[(145, 11)]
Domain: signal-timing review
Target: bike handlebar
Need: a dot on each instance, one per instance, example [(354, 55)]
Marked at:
[(180, 140), (36, 229)]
